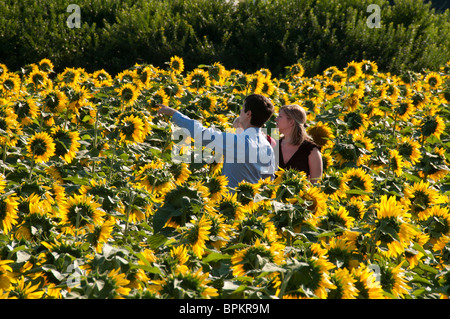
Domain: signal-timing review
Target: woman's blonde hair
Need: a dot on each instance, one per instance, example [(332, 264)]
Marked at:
[(298, 114)]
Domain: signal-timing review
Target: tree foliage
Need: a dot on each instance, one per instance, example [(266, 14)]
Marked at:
[(245, 34)]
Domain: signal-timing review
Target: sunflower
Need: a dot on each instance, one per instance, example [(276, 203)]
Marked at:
[(316, 199), (220, 231), (434, 166), (409, 149), (255, 83), (197, 81), (312, 91), (246, 192), (405, 109), (69, 77), (268, 87), (356, 208), (36, 214), (119, 284), (102, 78), (393, 232), (176, 64), (366, 284), (54, 101), (217, 73), (217, 186), (102, 233), (3, 69), (180, 172), (11, 128), (390, 91), (6, 274), (336, 219), (289, 183), (197, 233), (230, 207), (432, 125), (334, 186), (99, 188), (353, 71), (3, 184), (338, 77), (322, 135), (41, 147), (412, 255), (393, 280), (180, 253), (444, 95), (25, 289), (155, 178), (419, 198), (66, 143), (432, 81), (131, 129), (239, 81), (437, 226), (254, 227), (252, 258), (339, 251), (146, 75), (357, 179), (296, 70), (134, 212), (46, 65), (184, 283), (345, 285), (368, 68), (309, 277), (357, 122), (26, 110), (365, 148), (158, 97), (81, 211), (331, 89), (126, 76), (352, 102), (78, 96), (396, 162), (10, 84), (39, 79), (128, 93)]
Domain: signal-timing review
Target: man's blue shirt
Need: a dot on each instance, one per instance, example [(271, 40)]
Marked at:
[(247, 156)]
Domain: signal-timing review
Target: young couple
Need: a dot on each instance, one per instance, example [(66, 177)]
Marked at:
[(251, 155)]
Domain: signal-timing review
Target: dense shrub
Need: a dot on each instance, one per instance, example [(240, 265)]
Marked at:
[(246, 34)]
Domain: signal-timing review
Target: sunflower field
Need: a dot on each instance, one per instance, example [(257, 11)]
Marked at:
[(93, 205)]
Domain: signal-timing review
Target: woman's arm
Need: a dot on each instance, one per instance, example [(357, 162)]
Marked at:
[(315, 165)]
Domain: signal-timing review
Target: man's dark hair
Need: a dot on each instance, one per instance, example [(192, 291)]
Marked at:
[(261, 107)]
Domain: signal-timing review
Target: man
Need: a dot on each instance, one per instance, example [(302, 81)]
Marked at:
[(247, 156)]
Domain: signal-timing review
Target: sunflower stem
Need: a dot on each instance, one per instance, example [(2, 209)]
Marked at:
[(95, 138), (5, 150), (183, 218), (30, 176), (128, 217), (113, 160)]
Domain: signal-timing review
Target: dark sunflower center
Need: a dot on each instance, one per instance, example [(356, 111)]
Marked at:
[(62, 142), (83, 212), (405, 150), (127, 94), (388, 230), (38, 147)]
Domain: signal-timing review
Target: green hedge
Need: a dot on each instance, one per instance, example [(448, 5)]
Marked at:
[(246, 35)]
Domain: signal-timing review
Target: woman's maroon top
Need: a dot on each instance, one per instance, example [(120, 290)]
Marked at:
[(299, 159)]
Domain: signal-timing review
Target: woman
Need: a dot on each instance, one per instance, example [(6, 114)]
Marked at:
[(296, 150)]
